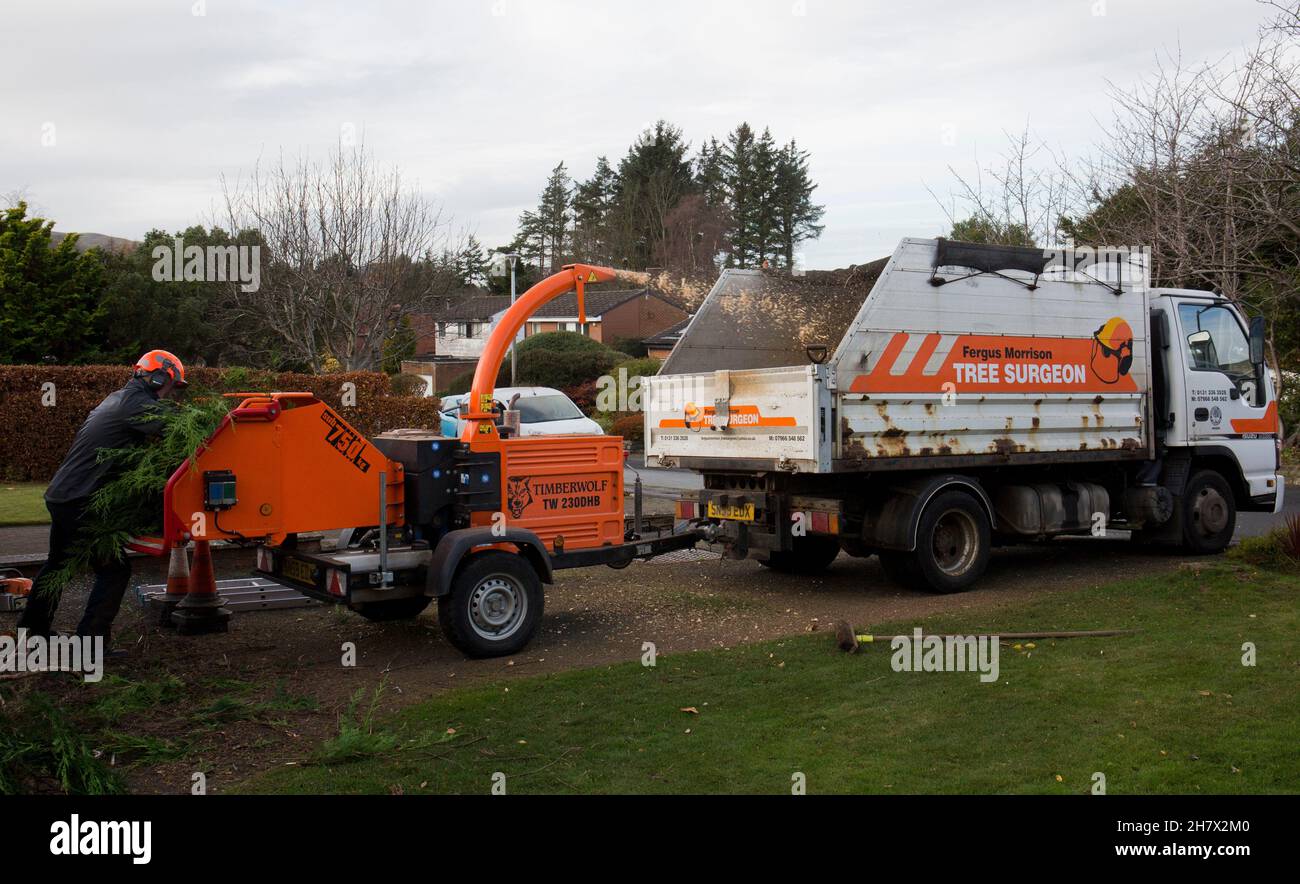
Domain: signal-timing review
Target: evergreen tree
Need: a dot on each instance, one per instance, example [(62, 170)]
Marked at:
[(553, 217), (652, 178), (471, 263), (743, 191), (762, 220), (710, 174), (48, 296), (794, 213), (592, 201)]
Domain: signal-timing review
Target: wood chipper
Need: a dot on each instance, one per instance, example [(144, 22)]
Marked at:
[(478, 522)]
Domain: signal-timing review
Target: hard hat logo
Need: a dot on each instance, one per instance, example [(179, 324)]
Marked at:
[(160, 366), (1112, 350)]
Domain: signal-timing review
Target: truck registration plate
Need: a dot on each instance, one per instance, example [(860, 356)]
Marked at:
[(302, 572), (739, 512)]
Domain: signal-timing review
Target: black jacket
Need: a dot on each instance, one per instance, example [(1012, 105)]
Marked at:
[(121, 420)]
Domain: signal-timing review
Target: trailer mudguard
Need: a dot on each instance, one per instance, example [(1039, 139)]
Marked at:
[(893, 518), (455, 545)]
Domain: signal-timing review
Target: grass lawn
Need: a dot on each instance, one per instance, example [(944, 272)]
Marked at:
[(1168, 710), (21, 503)]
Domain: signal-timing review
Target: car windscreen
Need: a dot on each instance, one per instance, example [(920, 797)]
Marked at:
[(540, 409)]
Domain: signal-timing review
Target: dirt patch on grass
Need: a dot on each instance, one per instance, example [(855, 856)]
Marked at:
[(269, 691)]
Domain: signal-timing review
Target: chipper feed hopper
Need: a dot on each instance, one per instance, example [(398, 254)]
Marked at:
[(478, 522)]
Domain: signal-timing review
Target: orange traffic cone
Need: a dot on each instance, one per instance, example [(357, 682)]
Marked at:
[(178, 583), (202, 610)]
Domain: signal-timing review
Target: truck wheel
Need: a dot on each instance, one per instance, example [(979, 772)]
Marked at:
[(1209, 513), (952, 543), (393, 609), (812, 554), (494, 607)]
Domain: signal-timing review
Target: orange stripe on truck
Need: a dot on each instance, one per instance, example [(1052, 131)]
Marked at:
[(1266, 424), (1000, 364), (749, 416)]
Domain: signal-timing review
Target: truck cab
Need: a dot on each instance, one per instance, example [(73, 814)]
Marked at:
[(1213, 396)]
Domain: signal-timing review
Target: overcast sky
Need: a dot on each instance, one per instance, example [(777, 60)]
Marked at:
[(148, 103)]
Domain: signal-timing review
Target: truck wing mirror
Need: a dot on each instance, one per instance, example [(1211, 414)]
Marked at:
[(1257, 340)]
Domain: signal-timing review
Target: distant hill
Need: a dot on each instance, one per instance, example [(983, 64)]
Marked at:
[(108, 243)]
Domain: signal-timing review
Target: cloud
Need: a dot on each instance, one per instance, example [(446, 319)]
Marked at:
[(478, 100)]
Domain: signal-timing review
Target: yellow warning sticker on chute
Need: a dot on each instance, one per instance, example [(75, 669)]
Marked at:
[(592, 278)]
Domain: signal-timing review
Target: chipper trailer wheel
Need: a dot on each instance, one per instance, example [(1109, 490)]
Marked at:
[(953, 541), (494, 607)]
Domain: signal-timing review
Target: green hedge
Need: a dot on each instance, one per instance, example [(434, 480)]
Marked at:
[(35, 436)]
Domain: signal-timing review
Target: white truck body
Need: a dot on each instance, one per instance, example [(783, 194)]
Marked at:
[(1010, 366), (956, 395)]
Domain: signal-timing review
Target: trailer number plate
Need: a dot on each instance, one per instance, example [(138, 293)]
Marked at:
[(302, 572), (739, 512)]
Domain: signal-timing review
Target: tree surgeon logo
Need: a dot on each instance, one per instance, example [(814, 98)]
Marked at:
[(519, 494), (345, 440), (1112, 350)]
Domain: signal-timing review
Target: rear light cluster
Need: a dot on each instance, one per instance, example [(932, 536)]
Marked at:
[(688, 509), (337, 582), (824, 523)]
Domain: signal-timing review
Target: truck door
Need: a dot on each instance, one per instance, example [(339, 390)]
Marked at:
[(1229, 402)]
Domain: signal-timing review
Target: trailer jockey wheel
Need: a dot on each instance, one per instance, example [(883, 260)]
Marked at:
[(494, 607)]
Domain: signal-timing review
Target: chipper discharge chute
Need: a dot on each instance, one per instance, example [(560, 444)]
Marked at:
[(477, 522)]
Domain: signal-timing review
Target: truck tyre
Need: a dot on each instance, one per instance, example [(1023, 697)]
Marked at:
[(393, 609), (812, 554), (494, 607), (953, 541), (1209, 513)]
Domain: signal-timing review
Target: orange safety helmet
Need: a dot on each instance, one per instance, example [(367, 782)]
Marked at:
[(1113, 340), (159, 366)]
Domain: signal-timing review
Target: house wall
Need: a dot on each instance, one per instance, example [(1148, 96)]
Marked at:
[(451, 338), (438, 374), (542, 327), (639, 318), (426, 336)]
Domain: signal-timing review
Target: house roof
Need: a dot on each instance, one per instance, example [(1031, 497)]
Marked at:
[(474, 307), (596, 302), (668, 336)]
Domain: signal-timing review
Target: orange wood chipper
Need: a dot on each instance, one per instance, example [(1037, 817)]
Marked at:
[(478, 522)]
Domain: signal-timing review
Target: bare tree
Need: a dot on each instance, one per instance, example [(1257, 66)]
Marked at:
[(1018, 200), (349, 249)]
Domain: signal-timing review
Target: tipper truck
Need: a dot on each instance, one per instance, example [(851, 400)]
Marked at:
[(974, 395)]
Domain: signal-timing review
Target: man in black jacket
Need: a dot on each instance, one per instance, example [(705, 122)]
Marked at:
[(126, 417)]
